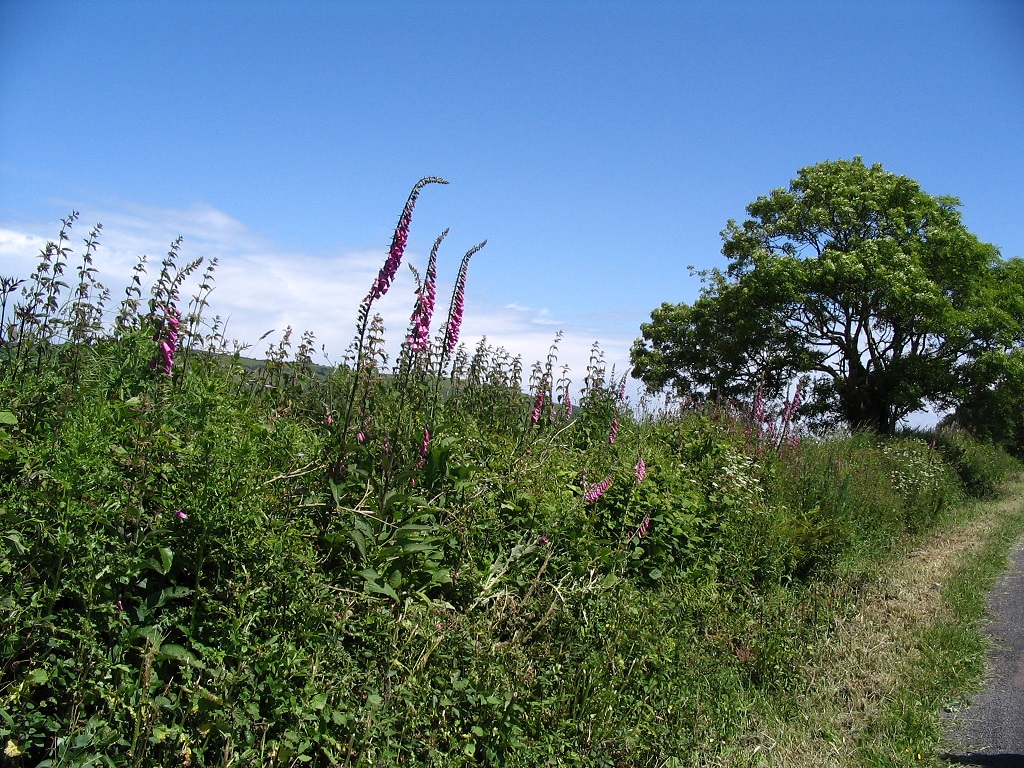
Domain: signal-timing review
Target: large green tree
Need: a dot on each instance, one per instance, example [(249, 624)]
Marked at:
[(857, 279)]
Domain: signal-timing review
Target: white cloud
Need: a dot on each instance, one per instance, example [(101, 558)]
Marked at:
[(259, 286), (14, 246)]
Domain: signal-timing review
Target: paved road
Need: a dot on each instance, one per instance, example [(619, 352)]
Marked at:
[(991, 730)]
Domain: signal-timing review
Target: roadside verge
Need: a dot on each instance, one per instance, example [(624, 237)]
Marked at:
[(885, 676)]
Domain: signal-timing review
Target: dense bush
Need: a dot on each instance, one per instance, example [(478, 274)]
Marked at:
[(205, 561)]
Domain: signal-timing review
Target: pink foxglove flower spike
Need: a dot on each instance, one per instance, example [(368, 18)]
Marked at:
[(419, 334), (454, 322), (596, 490), (398, 241)]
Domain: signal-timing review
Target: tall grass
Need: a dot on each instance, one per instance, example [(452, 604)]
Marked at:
[(441, 561)]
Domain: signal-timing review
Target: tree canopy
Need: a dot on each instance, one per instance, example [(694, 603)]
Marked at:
[(856, 279)]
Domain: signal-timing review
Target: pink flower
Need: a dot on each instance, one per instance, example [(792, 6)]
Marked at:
[(167, 335), (398, 241), (641, 531), (361, 437), (419, 334), (614, 431), (181, 515), (568, 407), (640, 470), (536, 408), (622, 387), (426, 442), (458, 305), (596, 490), (759, 412), (328, 419)]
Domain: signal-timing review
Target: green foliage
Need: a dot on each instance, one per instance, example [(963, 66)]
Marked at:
[(994, 407), (858, 278), (209, 566)]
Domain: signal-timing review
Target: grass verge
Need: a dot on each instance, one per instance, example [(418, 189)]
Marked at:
[(909, 646)]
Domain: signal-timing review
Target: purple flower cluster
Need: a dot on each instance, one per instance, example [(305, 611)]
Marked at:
[(568, 407), (614, 431), (793, 404), (641, 530), (423, 450), (398, 241), (454, 322), (537, 407), (596, 490), (167, 336), (640, 470), (419, 334)]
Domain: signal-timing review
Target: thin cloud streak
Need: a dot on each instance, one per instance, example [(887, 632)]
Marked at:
[(260, 287)]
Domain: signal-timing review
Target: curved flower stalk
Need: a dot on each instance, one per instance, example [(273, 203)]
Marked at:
[(380, 287), (398, 241), (419, 331), (453, 324)]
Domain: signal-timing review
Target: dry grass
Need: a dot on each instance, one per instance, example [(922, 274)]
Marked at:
[(866, 658)]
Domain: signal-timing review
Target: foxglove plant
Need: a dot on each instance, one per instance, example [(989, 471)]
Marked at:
[(424, 446), (381, 284), (398, 241), (595, 491), (641, 530), (167, 338), (419, 331), (453, 324)]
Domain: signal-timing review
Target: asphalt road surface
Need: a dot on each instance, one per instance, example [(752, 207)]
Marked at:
[(990, 731)]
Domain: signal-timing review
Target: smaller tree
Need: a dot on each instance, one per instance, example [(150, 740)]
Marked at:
[(854, 277)]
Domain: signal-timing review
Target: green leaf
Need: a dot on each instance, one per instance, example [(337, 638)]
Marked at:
[(151, 635), (6, 417), (609, 581), (417, 547), (181, 654), (375, 584), (359, 540), (16, 541), (162, 567)]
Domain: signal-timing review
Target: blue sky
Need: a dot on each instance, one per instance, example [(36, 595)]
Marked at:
[(600, 147)]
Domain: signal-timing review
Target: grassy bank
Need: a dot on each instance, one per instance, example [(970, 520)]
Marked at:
[(908, 647), (444, 561)]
